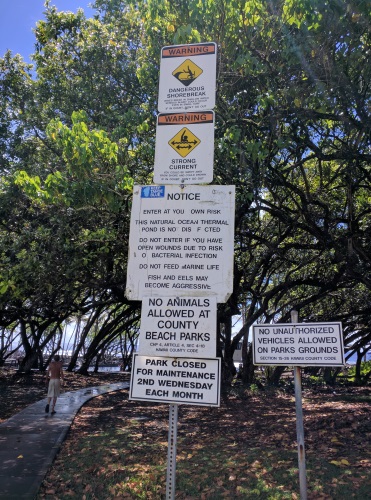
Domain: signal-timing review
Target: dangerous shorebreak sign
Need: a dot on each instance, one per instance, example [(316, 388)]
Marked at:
[(178, 326), (184, 151), (299, 344), (181, 242), (187, 77), (176, 380)]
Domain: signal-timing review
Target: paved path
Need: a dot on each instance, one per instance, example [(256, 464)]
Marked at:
[(30, 440)]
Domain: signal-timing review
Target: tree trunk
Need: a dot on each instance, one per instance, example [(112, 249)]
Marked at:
[(30, 355), (329, 376), (358, 375), (228, 368), (84, 368), (248, 368), (77, 348), (29, 362), (274, 376)]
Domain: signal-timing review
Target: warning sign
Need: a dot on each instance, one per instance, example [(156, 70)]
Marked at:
[(178, 326), (184, 151), (187, 77), (184, 142), (187, 72), (176, 380)]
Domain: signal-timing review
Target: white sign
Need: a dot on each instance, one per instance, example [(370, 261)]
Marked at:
[(299, 344), (176, 380), (181, 242), (184, 151), (178, 326), (187, 77)]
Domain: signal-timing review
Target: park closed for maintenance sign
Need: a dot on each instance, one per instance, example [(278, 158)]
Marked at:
[(176, 380), (301, 344)]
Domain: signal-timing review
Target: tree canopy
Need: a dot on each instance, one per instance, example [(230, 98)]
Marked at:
[(292, 133)]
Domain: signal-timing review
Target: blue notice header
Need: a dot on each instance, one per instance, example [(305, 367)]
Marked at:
[(152, 192)]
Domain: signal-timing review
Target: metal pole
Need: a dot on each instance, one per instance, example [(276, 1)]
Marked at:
[(299, 423), (171, 452)]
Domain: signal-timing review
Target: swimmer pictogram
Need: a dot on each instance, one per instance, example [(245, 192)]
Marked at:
[(184, 142)]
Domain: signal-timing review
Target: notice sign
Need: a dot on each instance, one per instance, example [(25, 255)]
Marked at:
[(176, 380), (181, 242), (187, 77), (184, 151), (178, 326), (300, 344)]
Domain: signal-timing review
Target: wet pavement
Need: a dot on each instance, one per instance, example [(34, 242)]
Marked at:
[(30, 440)]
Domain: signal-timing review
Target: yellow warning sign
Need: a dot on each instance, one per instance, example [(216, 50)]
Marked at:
[(187, 72), (184, 142)]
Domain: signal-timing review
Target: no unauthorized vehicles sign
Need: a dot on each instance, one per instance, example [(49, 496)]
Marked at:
[(181, 242), (187, 77), (300, 344), (178, 326), (184, 151), (176, 380)]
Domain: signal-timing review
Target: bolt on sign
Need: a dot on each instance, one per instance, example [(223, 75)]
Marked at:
[(181, 242), (176, 380), (187, 77), (178, 326), (302, 344), (184, 151)]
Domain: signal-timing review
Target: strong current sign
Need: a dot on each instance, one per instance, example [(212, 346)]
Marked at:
[(298, 344), (184, 148)]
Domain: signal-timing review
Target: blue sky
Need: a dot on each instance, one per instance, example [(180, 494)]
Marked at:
[(19, 17)]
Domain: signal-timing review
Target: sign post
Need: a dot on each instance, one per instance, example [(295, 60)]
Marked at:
[(171, 452), (299, 423), (298, 344)]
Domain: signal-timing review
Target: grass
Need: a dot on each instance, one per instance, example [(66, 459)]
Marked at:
[(123, 464), (117, 449)]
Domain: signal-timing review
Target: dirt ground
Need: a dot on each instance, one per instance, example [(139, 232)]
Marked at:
[(257, 427)]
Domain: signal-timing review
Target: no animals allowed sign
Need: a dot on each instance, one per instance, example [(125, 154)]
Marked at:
[(178, 326)]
